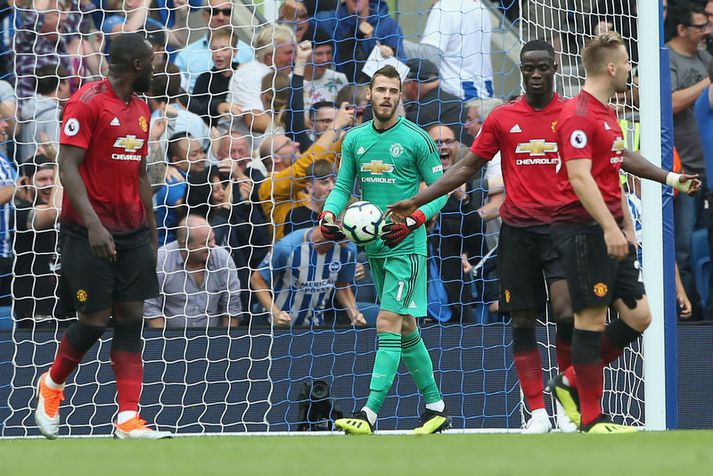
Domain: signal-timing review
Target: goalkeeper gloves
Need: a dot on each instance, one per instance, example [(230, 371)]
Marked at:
[(328, 227), (394, 233)]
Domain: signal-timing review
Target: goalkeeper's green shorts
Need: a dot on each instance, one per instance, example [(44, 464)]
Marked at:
[(401, 283)]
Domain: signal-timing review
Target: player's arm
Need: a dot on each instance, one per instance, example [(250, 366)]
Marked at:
[(628, 223), (147, 200), (339, 196), (345, 297), (100, 240), (456, 176), (579, 172), (430, 168), (635, 163), (264, 296)]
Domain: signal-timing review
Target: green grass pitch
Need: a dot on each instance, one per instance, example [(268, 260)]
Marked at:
[(647, 454)]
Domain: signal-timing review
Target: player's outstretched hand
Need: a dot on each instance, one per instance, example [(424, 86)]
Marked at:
[(617, 244), (101, 242), (401, 209), (359, 320), (689, 184), (328, 227), (394, 233)]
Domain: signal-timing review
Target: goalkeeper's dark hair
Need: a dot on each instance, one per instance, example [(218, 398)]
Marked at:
[(387, 71), (126, 48), (538, 45)]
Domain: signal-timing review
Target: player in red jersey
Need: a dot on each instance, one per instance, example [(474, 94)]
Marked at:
[(593, 232), (524, 132), (108, 232)]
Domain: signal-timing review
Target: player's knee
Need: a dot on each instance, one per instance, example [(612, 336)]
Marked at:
[(523, 319), (562, 309), (635, 311)]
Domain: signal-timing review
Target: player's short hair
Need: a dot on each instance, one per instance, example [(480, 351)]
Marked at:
[(596, 53), (680, 14), (127, 47), (387, 71), (225, 32), (166, 84), (48, 77), (268, 37), (538, 45), (320, 169)]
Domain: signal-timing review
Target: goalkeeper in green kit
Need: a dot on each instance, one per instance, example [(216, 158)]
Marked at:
[(391, 156)]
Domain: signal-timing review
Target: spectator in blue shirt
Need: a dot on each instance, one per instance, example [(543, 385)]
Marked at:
[(357, 26), (185, 157), (195, 58), (299, 281), (703, 110)]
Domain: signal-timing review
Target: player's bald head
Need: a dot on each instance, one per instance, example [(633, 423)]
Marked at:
[(128, 47)]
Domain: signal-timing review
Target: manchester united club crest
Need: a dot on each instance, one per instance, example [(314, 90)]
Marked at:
[(396, 150), (553, 126), (82, 295), (600, 290), (507, 295), (143, 124)]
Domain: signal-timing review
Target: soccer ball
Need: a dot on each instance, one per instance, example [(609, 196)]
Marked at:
[(362, 222)]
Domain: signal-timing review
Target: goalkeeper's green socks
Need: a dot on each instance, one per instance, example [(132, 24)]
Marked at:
[(420, 366), (386, 365)]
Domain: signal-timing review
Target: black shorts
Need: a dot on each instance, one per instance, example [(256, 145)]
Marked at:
[(526, 262), (95, 284), (593, 277)]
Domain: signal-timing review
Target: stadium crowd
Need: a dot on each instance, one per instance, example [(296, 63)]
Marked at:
[(245, 138)]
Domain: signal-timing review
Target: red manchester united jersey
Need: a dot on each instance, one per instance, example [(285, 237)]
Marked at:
[(526, 140), (115, 137), (588, 129)]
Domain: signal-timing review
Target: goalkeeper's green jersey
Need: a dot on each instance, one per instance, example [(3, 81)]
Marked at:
[(389, 166)]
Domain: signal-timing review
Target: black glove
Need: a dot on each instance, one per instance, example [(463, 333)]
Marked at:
[(328, 227)]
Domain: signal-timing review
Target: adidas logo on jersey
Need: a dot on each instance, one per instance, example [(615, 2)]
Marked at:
[(607, 127), (515, 128), (361, 150), (115, 122)]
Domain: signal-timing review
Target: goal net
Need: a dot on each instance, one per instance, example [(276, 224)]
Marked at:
[(201, 377)]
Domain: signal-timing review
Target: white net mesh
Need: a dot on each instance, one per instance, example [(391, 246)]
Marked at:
[(199, 376)]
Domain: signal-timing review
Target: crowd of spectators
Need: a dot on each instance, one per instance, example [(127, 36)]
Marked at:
[(245, 138)]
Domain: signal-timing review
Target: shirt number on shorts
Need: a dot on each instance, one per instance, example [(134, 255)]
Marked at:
[(400, 292)]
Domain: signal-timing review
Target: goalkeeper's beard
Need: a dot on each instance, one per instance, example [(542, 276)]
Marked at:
[(384, 117), (142, 84)]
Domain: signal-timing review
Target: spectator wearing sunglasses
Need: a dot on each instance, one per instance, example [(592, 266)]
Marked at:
[(195, 58)]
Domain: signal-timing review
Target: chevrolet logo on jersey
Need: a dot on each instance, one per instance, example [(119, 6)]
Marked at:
[(618, 145), (377, 167), (129, 143), (536, 147)]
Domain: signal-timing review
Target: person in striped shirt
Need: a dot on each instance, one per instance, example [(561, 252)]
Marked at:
[(302, 277)]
